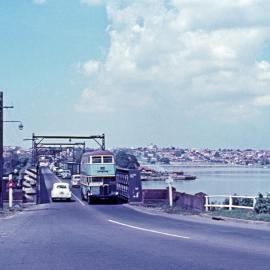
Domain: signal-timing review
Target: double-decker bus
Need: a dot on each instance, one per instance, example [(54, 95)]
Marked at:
[(98, 176)]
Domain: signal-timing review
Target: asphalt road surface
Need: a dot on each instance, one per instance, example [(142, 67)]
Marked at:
[(74, 235)]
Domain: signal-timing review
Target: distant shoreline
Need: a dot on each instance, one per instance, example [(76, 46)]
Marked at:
[(203, 165)]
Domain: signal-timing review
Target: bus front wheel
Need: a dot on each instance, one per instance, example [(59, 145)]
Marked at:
[(89, 199)]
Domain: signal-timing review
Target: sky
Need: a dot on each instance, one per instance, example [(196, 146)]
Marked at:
[(185, 73)]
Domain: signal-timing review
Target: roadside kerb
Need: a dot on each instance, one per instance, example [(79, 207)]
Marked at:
[(201, 218)]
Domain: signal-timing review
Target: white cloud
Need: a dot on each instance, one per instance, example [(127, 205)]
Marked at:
[(39, 2), (186, 54), (103, 102), (89, 68), (262, 101), (92, 2), (92, 101)]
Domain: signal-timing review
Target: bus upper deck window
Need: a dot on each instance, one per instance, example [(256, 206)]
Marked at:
[(107, 159), (96, 159)]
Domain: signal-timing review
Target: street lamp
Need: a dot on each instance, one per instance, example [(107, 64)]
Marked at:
[(20, 126)]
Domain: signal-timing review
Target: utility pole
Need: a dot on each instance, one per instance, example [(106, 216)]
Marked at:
[(33, 150), (2, 186)]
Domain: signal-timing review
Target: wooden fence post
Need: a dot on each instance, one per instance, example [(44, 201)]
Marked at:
[(230, 203)]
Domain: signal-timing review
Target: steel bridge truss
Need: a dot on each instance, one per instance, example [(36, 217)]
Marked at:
[(38, 143)]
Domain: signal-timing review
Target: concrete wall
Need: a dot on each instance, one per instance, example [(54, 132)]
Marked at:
[(190, 202), (182, 200), (151, 196)]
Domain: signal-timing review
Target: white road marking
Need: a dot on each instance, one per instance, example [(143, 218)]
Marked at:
[(78, 199), (71, 192), (148, 230), (3, 235)]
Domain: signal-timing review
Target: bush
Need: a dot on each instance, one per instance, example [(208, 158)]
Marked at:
[(246, 202), (262, 204), (235, 201), (239, 201)]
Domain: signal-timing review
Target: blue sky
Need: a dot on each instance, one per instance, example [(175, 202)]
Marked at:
[(177, 72)]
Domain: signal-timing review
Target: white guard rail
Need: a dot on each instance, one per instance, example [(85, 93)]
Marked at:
[(209, 205)]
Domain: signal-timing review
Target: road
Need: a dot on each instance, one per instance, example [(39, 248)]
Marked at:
[(74, 235)]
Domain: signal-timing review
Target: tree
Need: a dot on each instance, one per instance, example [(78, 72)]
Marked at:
[(127, 161), (165, 160)]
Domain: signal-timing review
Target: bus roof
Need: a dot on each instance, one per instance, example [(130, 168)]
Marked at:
[(98, 153)]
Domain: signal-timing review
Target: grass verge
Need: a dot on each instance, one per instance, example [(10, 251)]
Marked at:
[(163, 207), (241, 214)]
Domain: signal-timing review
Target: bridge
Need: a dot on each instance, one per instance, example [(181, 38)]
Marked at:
[(77, 236)]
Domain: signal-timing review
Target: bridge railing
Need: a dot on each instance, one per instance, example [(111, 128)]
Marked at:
[(230, 205)]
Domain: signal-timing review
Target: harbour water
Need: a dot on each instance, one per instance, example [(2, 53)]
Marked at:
[(220, 180)]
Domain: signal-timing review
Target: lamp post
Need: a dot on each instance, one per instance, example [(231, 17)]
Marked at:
[(20, 126)]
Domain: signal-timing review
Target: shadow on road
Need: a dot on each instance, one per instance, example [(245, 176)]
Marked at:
[(64, 201), (43, 195), (107, 202), (37, 210)]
